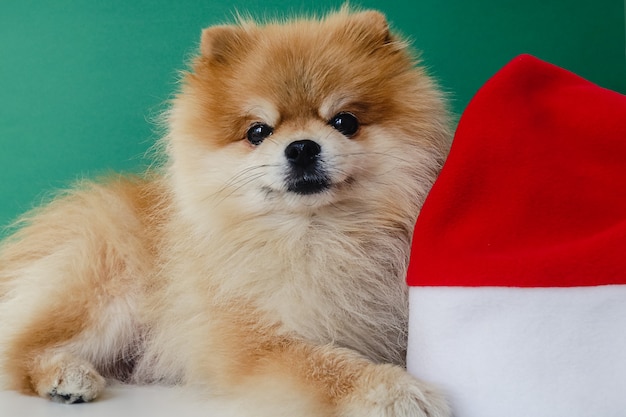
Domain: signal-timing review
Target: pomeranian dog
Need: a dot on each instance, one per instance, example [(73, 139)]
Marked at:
[(264, 261)]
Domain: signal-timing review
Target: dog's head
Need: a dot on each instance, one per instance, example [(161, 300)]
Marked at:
[(305, 115)]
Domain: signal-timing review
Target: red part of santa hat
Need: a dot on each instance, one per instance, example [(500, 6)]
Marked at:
[(533, 193)]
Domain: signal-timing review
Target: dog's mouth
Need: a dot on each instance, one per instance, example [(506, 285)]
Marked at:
[(321, 188), (307, 185)]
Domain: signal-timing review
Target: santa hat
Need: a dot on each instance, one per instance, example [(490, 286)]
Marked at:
[(518, 266)]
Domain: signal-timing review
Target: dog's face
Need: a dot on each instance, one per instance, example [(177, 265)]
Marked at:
[(300, 116)]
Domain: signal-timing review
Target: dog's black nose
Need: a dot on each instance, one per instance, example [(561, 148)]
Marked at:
[(306, 174), (302, 153)]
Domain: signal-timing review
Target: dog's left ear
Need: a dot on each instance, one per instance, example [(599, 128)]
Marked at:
[(371, 26)]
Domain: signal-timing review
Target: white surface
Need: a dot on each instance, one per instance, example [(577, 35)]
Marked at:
[(116, 401), (540, 352)]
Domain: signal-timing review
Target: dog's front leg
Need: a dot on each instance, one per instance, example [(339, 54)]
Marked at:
[(287, 376)]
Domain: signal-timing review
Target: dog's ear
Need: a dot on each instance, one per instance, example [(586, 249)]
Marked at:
[(220, 43), (372, 27)]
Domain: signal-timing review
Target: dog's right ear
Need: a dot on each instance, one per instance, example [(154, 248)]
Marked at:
[(220, 43)]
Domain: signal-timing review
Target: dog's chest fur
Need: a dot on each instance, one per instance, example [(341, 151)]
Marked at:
[(323, 279)]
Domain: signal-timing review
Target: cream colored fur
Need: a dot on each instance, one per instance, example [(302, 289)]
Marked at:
[(209, 272)]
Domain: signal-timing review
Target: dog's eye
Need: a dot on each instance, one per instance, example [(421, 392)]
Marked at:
[(258, 132), (345, 122)]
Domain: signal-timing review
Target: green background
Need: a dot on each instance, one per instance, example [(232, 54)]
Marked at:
[(81, 82)]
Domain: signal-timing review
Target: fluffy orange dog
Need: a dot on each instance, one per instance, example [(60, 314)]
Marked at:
[(265, 261)]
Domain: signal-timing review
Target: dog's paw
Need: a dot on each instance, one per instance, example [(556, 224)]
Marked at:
[(76, 383), (69, 380), (389, 391)]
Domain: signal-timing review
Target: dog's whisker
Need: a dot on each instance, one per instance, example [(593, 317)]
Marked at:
[(228, 191), (369, 153), (241, 175), (242, 178)]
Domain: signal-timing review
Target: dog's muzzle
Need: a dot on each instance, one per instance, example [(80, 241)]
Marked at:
[(306, 173)]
